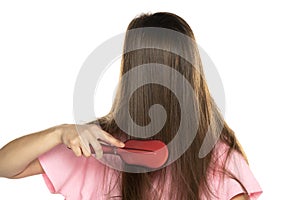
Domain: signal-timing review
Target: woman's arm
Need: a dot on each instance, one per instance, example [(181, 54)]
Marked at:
[(19, 153), (33, 168), (19, 157)]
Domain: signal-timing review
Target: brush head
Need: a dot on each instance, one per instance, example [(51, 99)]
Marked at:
[(147, 153)]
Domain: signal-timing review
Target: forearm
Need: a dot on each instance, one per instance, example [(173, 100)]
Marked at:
[(19, 153)]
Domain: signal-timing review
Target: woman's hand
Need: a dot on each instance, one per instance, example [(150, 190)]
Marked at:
[(19, 158), (80, 137)]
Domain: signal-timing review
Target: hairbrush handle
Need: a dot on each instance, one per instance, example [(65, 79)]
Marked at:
[(109, 149), (117, 151), (106, 149)]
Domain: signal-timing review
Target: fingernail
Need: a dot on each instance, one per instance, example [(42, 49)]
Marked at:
[(122, 144)]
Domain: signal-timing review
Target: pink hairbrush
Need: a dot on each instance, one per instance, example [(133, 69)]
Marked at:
[(147, 153)]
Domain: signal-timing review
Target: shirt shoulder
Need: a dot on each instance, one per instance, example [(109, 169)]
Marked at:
[(238, 177), (73, 177)]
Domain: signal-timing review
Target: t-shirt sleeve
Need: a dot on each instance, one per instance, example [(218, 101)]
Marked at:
[(67, 174), (240, 178)]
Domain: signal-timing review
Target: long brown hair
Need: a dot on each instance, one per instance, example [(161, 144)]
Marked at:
[(188, 174)]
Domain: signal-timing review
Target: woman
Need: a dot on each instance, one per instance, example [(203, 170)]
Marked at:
[(222, 173)]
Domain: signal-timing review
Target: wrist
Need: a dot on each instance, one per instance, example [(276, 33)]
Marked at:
[(58, 133)]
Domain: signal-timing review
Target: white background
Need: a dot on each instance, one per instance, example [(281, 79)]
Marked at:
[(254, 45)]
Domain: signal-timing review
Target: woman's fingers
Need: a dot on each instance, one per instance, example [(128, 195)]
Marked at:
[(97, 148), (110, 139), (80, 137), (85, 147), (106, 137), (76, 150)]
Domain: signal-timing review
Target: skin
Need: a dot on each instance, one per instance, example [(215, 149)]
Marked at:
[(241, 197), (19, 158)]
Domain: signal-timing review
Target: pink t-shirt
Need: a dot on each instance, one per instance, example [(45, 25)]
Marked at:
[(80, 178)]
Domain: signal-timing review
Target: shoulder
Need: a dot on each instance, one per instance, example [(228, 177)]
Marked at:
[(231, 175)]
